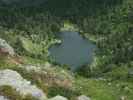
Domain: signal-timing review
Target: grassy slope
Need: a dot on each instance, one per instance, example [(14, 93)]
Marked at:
[(94, 88), (101, 90)]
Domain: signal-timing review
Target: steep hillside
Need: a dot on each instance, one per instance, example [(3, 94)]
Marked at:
[(27, 30)]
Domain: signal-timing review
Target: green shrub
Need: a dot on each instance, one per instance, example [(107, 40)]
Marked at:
[(69, 93)]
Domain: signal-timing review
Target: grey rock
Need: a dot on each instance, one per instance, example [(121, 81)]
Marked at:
[(123, 98), (83, 97), (24, 87), (7, 47), (3, 98), (58, 98)]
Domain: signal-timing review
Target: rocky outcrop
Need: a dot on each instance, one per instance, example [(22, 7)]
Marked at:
[(58, 98), (24, 87), (5, 48), (3, 98), (83, 97)]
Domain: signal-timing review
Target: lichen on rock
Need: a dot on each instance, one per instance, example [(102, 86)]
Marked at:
[(6, 48), (83, 97), (24, 87), (58, 97)]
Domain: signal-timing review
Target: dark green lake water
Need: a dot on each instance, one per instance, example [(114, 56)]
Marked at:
[(74, 51)]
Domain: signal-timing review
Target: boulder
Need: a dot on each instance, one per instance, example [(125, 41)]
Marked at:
[(24, 87), (58, 98), (83, 97), (3, 98), (5, 48), (123, 98)]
